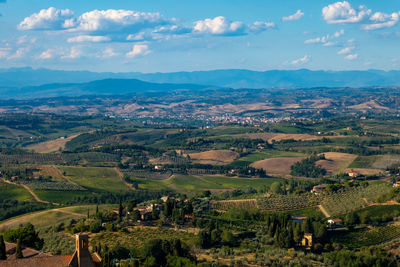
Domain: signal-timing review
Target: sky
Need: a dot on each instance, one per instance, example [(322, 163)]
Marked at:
[(187, 35)]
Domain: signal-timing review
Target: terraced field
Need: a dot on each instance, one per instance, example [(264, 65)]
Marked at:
[(368, 236), (353, 199)]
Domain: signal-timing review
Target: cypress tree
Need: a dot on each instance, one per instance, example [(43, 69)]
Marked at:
[(120, 210), (3, 255), (18, 250)]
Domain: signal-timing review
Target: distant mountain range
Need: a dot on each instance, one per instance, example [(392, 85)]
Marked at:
[(28, 82), (98, 87)]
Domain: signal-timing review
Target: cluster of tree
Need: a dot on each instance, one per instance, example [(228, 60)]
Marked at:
[(289, 187), (21, 173), (394, 168), (369, 217), (336, 187), (307, 167), (26, 235), (287, 233), (115, 198), (245, 170), (155, 253), (367, 256), (212, 235), (176, 210), (12, 208), (82, 142)]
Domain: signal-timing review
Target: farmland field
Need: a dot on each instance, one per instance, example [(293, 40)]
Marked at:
[(269, 154), (53, 216), (353, 198), (277, 166), (11, 191), (137, 237), (60, 196), (368, 237), (96, 179), (52, 145), (336, 162), (217, 157)]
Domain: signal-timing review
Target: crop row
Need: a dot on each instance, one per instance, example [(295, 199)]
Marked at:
[(238, 204)]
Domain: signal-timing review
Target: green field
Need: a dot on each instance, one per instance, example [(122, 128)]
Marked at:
[(60, 196), (367, 236), (269, 154), (15, 192), (363, 162), (96, 179), (194, 184), (52, 217), (135, 239)]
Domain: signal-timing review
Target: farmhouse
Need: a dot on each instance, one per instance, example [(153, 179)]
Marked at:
[(353, 174), (298, 219), (32, 258), (318, 188), (335, 223), (307, 240)]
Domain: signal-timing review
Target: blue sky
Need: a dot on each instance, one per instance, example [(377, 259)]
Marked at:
[(186, 35)]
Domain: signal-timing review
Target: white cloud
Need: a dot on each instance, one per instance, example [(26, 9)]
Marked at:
[(301, 61), (325, 39), (4, 52), (381, 20), (139, 50), (26, 40), (19, 53), (351, 57), (345, 50), (296, 16), (108, 53), (174, 29), (121, 20), (74, 52), (329, 44), (48, 54), (219, 26), (48, 19), (343, 12), (260, 26), (88, 38)]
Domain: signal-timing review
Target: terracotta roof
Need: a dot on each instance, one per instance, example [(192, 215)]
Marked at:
[(26, 252), (53, 261)]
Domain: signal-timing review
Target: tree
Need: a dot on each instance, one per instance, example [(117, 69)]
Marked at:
[(120, 209), (228, 238), (307, 226), (131, 205), (18, 250), (351, 219), (203, 239), (297, 234), (3, 255), (276, 188)]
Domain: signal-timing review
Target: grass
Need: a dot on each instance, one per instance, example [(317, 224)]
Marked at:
[(136, 238), (194, 184), (367, 236), (52, 217), (96, 179), (363, 162), (308, 212), (15, 192), (60, 196), (269, 154), (381, 211)]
